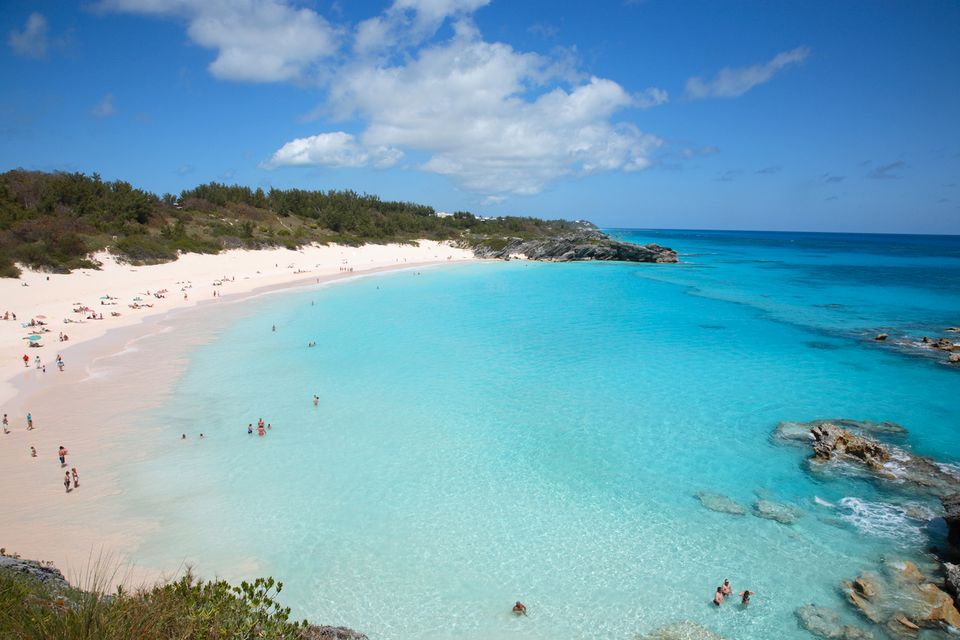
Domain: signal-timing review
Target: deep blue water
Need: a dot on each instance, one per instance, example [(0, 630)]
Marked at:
[(532, 431)]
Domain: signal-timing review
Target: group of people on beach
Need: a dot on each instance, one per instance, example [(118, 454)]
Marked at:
[(725, 590)]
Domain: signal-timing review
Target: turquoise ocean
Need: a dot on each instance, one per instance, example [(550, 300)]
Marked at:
[(508, 431)]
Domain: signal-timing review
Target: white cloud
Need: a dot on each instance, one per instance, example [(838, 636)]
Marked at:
[(473, 108), (32, 42), (730, 82), (265, 41), (409, 22), (105, 108), (496, 120), (337, 149)]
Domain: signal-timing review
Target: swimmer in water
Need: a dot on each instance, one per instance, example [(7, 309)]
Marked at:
[(520, 608), (718, 597), (726, 589), (745, 597)]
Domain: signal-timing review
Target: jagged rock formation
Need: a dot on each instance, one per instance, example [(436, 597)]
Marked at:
[(951, 513), (583, 244), (903, 600), (863, 454), (46, 573), (331, 633)]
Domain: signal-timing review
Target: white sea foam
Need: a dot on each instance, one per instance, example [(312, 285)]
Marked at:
[(881, 520), (823, 503)]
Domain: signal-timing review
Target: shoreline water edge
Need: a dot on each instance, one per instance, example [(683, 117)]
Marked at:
[(111, 372)]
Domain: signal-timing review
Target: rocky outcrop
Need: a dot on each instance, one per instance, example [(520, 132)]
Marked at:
[(951, 579), (682, 631), (903, 601), (951, 513), (584, 244), (825, 623), (830, 440), (720, 503), (862, 453), (940, 344), (313, 632), (46, 573)]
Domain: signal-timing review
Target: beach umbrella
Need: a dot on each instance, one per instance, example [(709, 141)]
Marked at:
[(104, 297), (32, 338)]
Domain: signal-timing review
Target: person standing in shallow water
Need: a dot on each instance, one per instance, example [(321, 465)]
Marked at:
[(718, 597), (745, 597), (520, 609)]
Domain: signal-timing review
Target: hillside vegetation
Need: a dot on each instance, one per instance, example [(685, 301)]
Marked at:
[(53, 221)]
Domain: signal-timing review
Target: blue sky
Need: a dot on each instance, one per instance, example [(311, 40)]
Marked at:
[(654, 113)]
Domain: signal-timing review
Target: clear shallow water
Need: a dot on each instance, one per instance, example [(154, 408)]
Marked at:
[(508, 431)]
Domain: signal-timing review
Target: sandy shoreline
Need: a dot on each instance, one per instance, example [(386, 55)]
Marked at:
[(86, 407)]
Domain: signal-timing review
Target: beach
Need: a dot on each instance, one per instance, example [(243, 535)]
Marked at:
[(77, 409)]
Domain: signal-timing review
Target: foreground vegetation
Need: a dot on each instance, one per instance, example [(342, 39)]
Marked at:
[(188, 609), (53, 221)]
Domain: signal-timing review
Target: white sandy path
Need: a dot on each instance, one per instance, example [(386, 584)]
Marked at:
[(33, 522)]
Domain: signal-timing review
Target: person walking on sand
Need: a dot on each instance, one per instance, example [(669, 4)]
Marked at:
[(33, 451), (66, 481), (6, 424), (62, 452), (76, 477), (29, 422), (26, 361)]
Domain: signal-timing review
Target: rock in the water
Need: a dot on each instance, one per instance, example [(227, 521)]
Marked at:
[(881, 337), (825, 623), (830, 440), (720, 503), (314, 632), (954, 358), (951, 513), (952, 579), (682, 631), (778, 511), (45, 573), (846, 441), (582, 244), (903, 601)]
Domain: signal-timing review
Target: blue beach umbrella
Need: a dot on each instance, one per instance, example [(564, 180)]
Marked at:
[(32, 338)]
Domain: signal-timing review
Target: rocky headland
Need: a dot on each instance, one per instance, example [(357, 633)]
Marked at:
[(577, 245)]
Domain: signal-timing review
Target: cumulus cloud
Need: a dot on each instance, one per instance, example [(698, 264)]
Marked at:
[(733, 82), (496, 120), (266, 41), (105, 108), (463, 104), (887, 171), (32, 42), (337, 149), (409, 22)]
